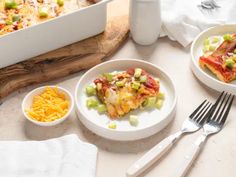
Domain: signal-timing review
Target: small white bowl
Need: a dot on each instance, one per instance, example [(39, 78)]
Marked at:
[(28, 100)]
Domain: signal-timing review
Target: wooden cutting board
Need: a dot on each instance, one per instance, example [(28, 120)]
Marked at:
[(67, 60)]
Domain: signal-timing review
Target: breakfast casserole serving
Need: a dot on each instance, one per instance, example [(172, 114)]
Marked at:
[(124, 91), (18, 14), (220, 56)]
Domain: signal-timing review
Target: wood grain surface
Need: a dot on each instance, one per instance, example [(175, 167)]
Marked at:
[(66, 60)]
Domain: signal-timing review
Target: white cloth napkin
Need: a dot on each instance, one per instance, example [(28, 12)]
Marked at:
[(66, 156), (183, 20)]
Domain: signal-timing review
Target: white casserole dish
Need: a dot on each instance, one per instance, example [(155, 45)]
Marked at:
[(52, 34)]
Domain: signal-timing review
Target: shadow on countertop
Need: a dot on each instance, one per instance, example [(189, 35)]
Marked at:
[(39, 133), (124, 146)]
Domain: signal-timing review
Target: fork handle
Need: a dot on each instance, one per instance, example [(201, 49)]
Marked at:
[(190, 157), (152, 155)]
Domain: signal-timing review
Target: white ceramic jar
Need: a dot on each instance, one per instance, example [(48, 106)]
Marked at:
[(145, 21)]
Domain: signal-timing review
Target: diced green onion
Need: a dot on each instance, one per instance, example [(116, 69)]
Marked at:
[(151, 101), (161, 96), (8, 22), (229, 63), (120, 83), (206, 48), (101, 108), (15, 18), (215, 40), (144, 103), (108, 76), (135, 85), (112, 125), (90, 90), (137, 72), (133, 120), (91, 103), (11, 4), (206, 42), (227, 37), (60, 2), (159, 104), (212, 48), (43, 12), (143, 79)]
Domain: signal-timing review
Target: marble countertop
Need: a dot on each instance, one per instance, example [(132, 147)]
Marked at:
[(217, 159)]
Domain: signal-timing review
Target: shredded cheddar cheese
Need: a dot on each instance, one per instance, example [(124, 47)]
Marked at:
[(50, 105)]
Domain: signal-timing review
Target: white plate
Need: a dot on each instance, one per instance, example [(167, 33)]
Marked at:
[(205, 76), (150, 122)]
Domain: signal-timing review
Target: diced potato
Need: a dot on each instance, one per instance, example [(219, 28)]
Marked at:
[(99, 86), (43, 11)]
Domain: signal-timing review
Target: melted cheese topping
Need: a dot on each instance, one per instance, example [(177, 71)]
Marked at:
[(120, 100), (28, 12)]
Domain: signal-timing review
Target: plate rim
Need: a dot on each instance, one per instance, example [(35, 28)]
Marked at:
[(202, 75), (93, 127)]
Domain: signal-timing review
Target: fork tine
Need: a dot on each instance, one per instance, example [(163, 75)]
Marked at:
[(227, 111), (214, 109), (205, 115), (218, 117), (215, 116), (201, 112), (197, 109), (218, 99)]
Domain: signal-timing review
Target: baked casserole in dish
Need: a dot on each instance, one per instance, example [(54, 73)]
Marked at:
[(33, 27)]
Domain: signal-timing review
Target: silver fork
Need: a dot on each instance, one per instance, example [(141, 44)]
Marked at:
[(214, 124), (190, 125)]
